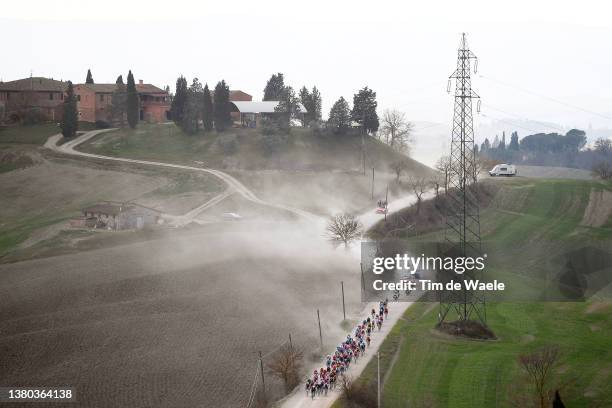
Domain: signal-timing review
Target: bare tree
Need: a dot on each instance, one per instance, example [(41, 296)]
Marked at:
[(398, 168), (357, 393), (603, 170), (395, 130), (538, 365), (436, 181), (418, 185), (603, 145), (344, 228), (479, 164), (286, 365), (443, 166)]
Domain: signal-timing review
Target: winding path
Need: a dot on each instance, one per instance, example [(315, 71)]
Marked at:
[(232, 183)]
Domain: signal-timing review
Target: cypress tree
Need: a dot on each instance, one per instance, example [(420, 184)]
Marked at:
[(70, 117), (221, 107), (364, 110), (288, 108), (340, 116), (502, 144), (514, 142), (207, 110), (317, 104), (306, 100), (89, 79), (180, 99), (132, 101), (274, 88), (193, 108), (118, 102)]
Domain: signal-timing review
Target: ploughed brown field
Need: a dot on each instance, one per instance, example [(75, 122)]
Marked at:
[(171, 322)]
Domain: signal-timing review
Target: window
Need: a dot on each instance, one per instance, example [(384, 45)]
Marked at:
[(78, 98), (50, 96), (101, 97)]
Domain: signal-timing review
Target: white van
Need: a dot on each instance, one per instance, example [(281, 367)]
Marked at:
[(503, 170)]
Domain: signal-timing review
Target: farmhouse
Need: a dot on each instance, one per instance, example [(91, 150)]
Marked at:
[(250, 113), (94, 102), (118, 216), (36, 97)]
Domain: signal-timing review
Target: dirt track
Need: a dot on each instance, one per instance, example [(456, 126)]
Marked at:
[(69, 148)]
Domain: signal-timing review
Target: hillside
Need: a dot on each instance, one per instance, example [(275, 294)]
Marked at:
[(532, 222), (318, 172), (244, 149)]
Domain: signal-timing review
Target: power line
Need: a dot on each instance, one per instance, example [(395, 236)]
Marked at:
[(519, 116), (546, 97), (510, 123)]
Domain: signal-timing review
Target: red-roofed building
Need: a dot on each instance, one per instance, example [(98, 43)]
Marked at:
[(94, 102), (38, 96)]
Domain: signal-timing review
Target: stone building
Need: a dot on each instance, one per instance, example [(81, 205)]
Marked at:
[(120, 216), (35, 97)]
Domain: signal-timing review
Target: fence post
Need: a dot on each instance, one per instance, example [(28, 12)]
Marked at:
[(320, 332), (343, 306), (263, 381)]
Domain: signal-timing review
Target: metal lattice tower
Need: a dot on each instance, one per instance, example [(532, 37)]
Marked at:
[(463, 220)]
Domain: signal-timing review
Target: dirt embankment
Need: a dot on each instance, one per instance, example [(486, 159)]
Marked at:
[(430, 215), (599, 209)]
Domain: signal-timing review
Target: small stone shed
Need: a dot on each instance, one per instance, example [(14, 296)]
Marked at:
[(121, 216)]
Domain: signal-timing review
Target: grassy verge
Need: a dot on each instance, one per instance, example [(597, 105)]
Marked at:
[(20, 230), (32, 134), (434, 370)]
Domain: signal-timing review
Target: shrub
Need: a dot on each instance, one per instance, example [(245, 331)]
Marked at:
[(102, 124), (228, 144)]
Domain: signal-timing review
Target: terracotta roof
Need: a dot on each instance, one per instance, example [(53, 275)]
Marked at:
[(238, 92), (110, 88), (34, 84)]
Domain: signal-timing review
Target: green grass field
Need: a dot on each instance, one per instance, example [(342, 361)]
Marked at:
[(32, 134), (427, 369)]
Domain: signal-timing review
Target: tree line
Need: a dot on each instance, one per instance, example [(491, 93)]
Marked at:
[(195, 108), (551, 149)]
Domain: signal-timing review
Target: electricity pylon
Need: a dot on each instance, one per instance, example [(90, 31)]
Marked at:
[(463, 220)]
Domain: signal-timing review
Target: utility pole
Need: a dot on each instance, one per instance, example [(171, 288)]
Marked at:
[(372, 183), (363, 134), (378, 364), (386, 202), (263, 381), (343, 307), (320, 332), (362, 277), (363, 151)]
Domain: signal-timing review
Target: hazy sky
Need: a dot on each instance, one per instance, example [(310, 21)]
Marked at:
[(403, 50)]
